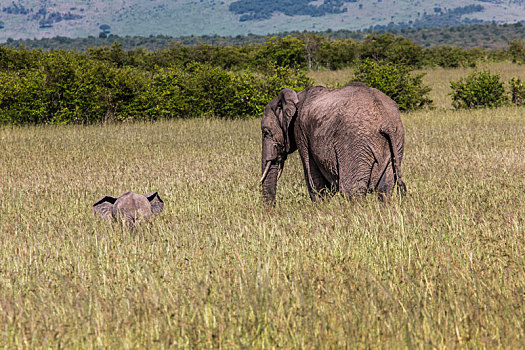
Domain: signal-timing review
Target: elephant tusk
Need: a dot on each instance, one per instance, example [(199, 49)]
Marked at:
[(265, 172), (281, 167)]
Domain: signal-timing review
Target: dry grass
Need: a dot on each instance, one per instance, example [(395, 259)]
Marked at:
[(444, 267)]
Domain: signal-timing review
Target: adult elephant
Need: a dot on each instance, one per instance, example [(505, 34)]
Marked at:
[(350, 140)]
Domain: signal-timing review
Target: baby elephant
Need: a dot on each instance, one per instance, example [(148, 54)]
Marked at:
[(130, 206)]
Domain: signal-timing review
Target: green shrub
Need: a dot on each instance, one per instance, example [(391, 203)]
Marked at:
[(389, 48), (109, 84), (517, 92), (478, 90), (205, 90), (68, 88), (338, 54), (285, 52), (16, 59), (452, 57), (197, 90), (516, 51), (21, 99), (398, 82)]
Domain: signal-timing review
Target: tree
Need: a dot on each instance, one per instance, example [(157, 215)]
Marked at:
[(105, 28), (312, 44), (285, 52), (397, 82), (387, 47)]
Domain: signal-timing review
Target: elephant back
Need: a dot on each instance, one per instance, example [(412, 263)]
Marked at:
[(131, 206)]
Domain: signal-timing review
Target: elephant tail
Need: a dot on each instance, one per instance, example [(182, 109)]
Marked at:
[(395, 160)]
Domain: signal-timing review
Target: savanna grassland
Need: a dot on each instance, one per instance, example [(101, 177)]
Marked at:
[(443, 267)]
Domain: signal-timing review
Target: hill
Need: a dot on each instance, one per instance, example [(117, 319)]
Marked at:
[(84, 18)]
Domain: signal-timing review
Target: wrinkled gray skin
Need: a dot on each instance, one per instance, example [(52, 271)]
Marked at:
[(129, 207), (350, 140)]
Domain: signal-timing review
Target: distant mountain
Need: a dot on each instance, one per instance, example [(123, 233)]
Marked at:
[(22, 19)]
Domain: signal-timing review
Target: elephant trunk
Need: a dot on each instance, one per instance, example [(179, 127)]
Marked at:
[(269, 181)]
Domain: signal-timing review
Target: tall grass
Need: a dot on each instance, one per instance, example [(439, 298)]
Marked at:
[(443, 267)]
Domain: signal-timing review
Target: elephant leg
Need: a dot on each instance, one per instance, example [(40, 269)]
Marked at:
[(382, 178), (318, 186), (355, 177), (354, 189), (385, 183)]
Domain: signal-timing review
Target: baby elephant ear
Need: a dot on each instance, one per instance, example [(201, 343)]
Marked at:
[(103, 206), (156, 203)]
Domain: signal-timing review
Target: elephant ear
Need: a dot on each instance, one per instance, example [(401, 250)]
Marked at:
[(156, 202), (285, 111), (104, 206)]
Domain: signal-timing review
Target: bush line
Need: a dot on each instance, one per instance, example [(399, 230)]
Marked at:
[(110, 84)]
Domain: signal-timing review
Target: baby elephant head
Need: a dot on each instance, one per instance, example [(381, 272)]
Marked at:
[(130, 206)]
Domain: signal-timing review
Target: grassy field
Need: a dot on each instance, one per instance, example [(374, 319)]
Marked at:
[(443, 267)]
